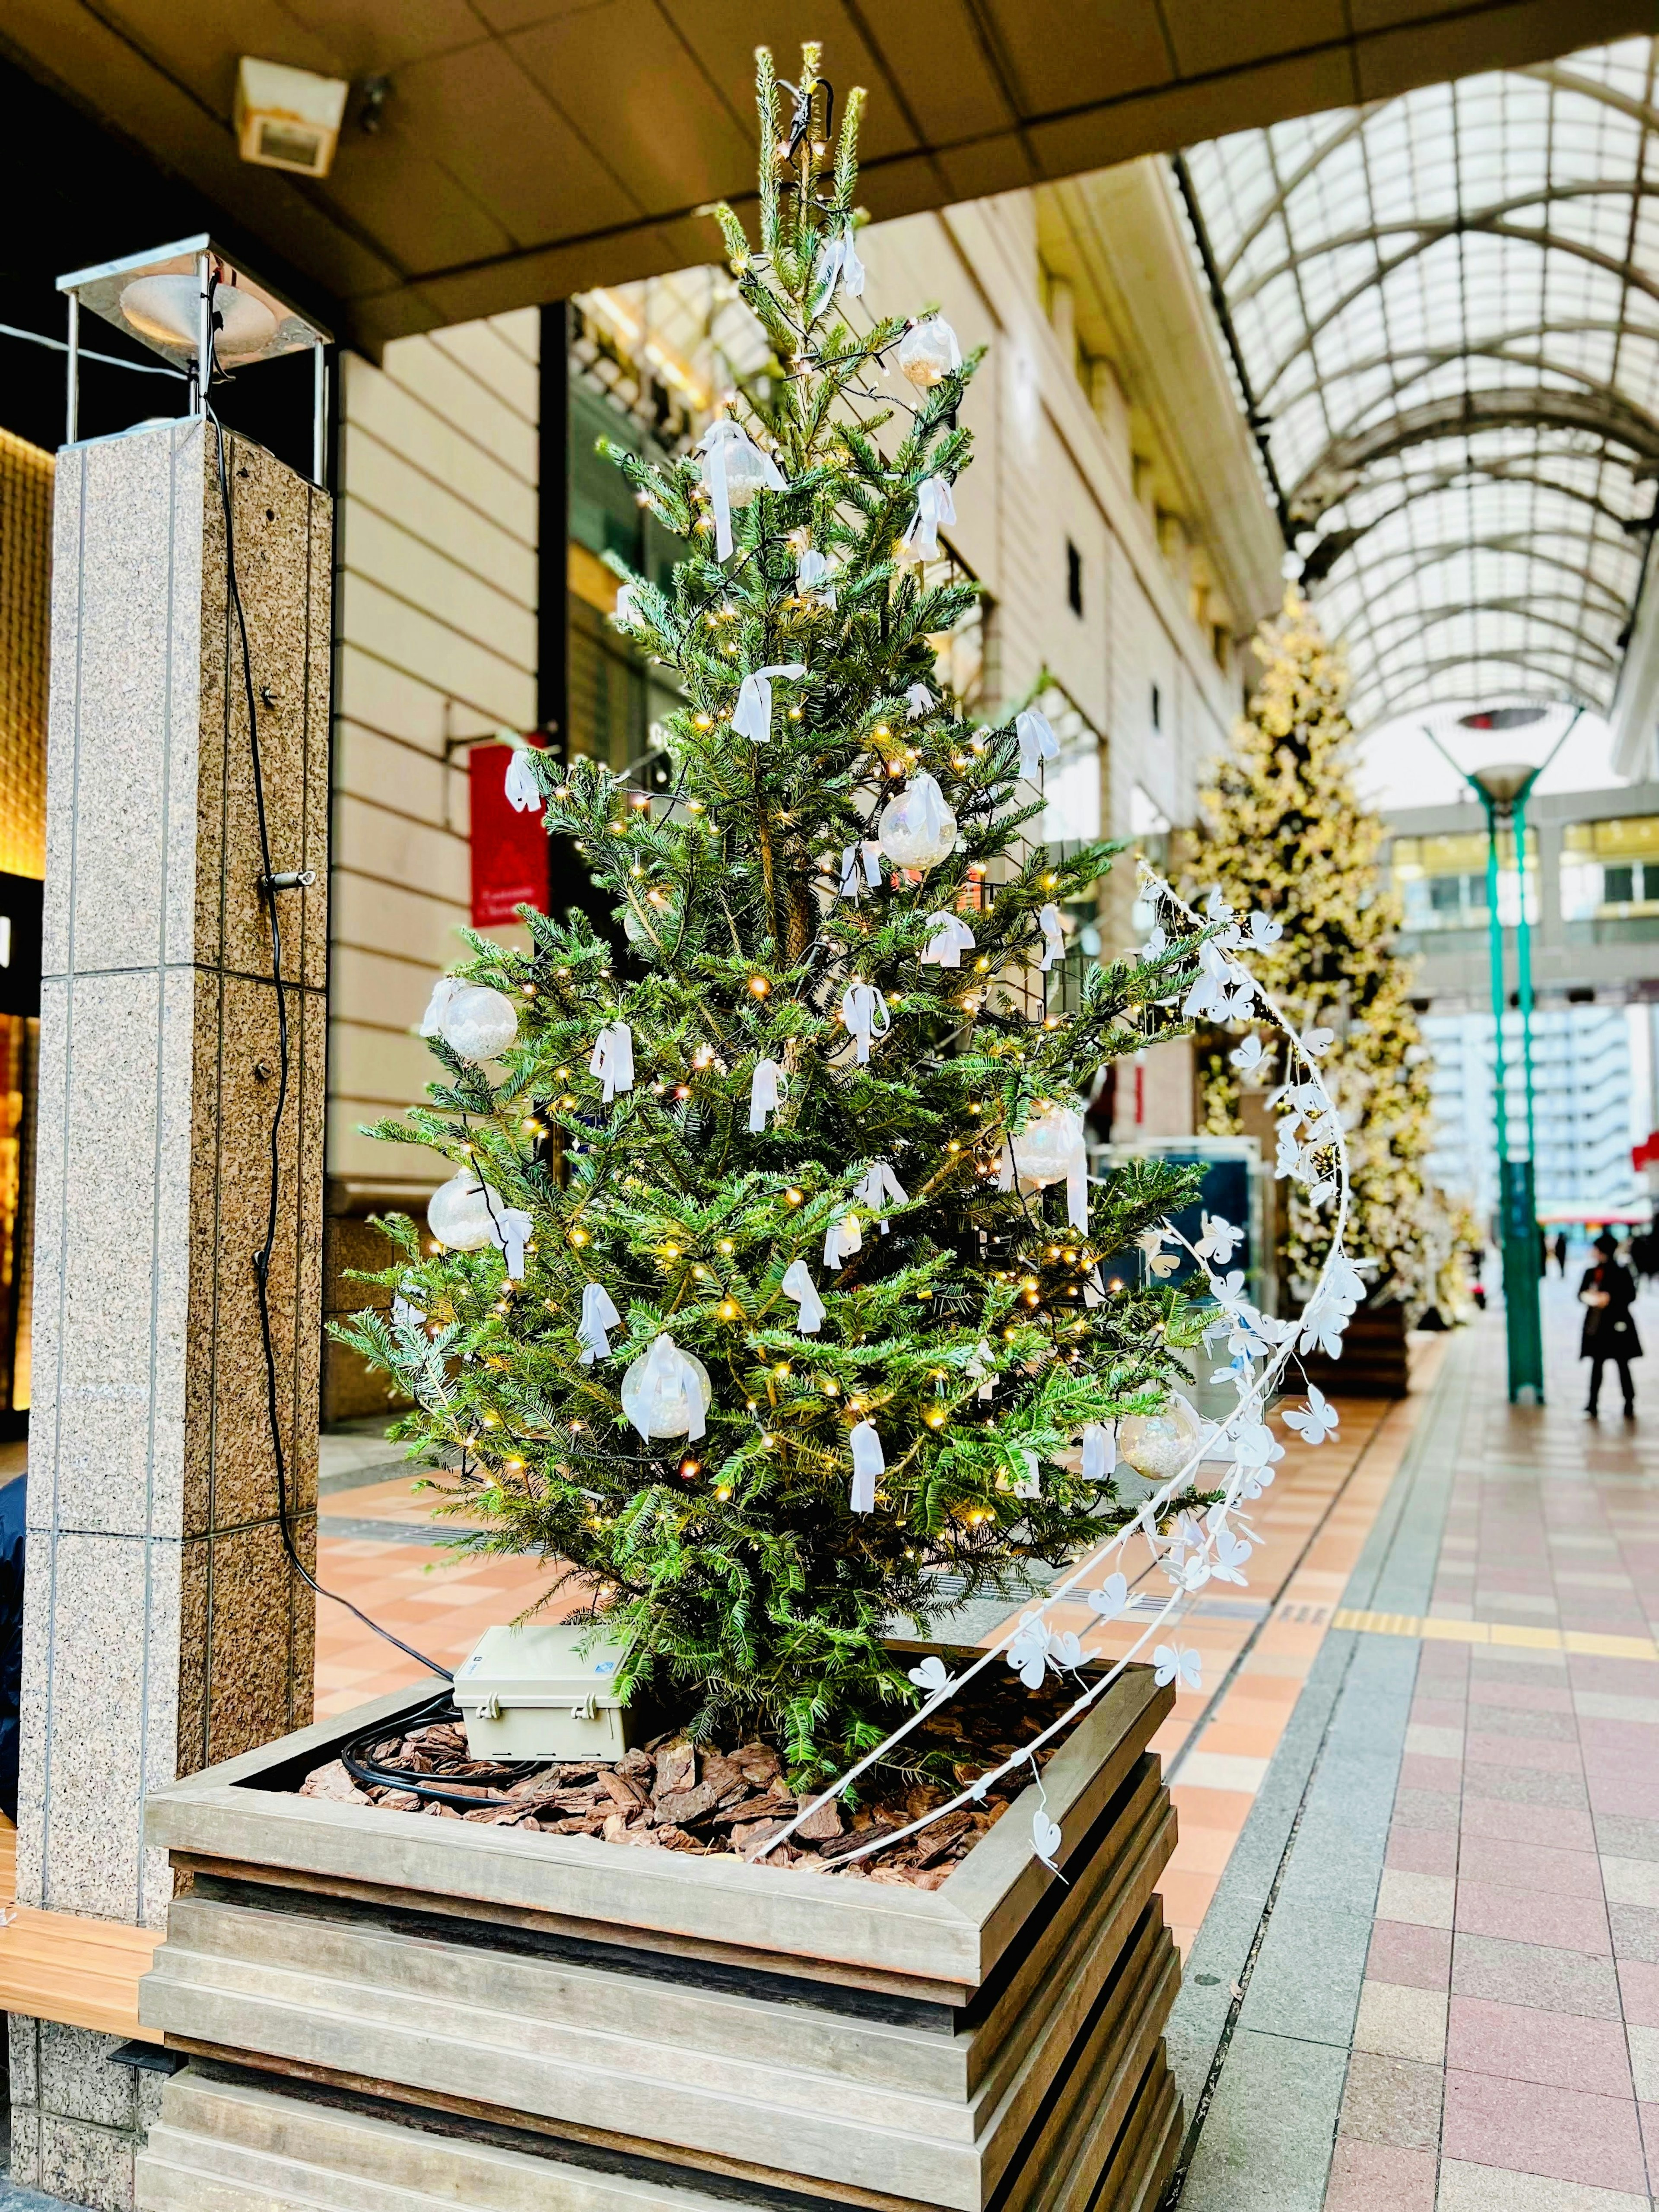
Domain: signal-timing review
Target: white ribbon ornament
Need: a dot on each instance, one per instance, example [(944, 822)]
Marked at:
[(798, 1284), (935, 504), (839, 264), (881, 1188), (1099, 1452), (598, 1314), (1053, 941), (951, 938), (918, 701), (752, 717), (613, 1058), (523, 794), (842, 1239), (766, 1089), (733, 469), (863, 1010), (868, 1462), (1037, 741), (812, 574), (861, 864), (475, 1022), (512, 1229)]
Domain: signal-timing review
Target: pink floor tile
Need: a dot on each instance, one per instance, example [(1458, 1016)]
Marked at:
[(1566, 1923), (1511, 1865), (1377, 2177), (1563, 2049), (1524, 2127)]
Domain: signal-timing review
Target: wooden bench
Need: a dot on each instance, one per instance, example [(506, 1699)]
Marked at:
[(58, 1965)]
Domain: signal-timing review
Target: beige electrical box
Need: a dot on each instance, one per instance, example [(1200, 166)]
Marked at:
[(288, 118), (532, 1693)]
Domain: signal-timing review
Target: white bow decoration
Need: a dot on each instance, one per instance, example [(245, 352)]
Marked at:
[(812, 576), (863, 1010), (868, 1462), (1054, 941), (512, 1229), (766, 1089), (918, 701), (523, 794), (951, 938), (752, 717), (1037, 741), (798, 1284), (1099, 1452), (598, 1314), (840, 265), (842, 1239), (934, 505), (719, 445), (881, 1188), (861, 864), (613, 1058)]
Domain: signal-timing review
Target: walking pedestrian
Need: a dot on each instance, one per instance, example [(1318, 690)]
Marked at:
[(1607, 1294), (1561, 1251)]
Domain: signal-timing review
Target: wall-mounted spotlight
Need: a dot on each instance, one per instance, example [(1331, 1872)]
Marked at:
[(288, 118)]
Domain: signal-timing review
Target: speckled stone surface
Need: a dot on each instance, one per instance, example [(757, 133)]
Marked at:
[(164, 1629)]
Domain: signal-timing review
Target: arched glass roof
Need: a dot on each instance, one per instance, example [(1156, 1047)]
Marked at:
[(1444, 311)]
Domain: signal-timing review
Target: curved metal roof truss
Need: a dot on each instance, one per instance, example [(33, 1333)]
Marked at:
[(1446, 308)]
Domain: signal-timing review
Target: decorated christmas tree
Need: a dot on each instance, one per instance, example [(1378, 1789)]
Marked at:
[(766, 1302), (1283, 826)]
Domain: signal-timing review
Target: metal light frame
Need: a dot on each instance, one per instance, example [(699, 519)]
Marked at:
[(99, 289)]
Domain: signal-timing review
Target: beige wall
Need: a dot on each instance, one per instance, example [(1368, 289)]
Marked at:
[(437, 625)]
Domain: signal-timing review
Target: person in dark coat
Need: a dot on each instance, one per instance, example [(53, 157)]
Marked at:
[(1607, 1294)]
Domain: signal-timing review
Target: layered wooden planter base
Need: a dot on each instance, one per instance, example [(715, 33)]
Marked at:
[(385, 2012)]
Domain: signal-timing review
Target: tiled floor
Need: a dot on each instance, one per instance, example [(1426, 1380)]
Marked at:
[(1459, 2010)]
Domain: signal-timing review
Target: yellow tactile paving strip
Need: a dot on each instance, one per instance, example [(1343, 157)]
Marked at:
[(1584, 1642)]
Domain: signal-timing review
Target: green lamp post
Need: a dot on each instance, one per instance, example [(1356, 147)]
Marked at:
[(1503, 788)]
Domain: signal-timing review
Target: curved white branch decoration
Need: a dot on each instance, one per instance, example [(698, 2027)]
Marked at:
[(1212, 1547)]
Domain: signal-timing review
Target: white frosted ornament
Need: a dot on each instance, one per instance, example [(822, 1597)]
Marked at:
[(734, 470), (918, 829), (460, 1215), (474, 1022), (666, 1392), (928, 353), (1158, 1445), (1051, 1148)]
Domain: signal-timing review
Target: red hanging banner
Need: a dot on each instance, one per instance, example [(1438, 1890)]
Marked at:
[(509, 849)]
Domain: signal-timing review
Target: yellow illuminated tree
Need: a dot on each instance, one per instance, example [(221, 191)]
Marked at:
[(1284, 828)]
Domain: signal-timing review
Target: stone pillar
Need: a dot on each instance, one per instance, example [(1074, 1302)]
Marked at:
[(164, 1629)]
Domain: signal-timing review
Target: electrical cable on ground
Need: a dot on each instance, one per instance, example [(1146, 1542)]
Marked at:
[(262, 1258)]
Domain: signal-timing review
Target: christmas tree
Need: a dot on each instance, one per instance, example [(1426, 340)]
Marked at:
[(1282, 826), (768, 1303)]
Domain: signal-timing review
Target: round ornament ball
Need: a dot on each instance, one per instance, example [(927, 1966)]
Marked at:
[(747, 469), (657, 1390), (1158, 1445), (458, 1213), (1046, 1149), (478, 1023), (917, 828), (929, 353)]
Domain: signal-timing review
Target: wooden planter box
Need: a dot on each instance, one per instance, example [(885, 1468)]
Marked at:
[(1375, 1358), (385, 2012)]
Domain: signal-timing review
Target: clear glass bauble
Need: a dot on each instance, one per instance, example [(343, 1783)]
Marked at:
[(917, 828), (747, 469), (1158, 1445), (929, 353), (654, 1392), (1046, 1149), (459, 1213), (478, 1023)]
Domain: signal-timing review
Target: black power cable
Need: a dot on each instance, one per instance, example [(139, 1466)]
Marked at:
[(269, 883)]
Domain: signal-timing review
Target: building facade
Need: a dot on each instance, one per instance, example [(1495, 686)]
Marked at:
[(1591, 862)]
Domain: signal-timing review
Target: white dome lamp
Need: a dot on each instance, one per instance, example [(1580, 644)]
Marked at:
[(204, 313)]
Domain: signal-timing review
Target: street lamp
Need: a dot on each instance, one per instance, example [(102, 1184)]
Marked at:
[(1503, 786)]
